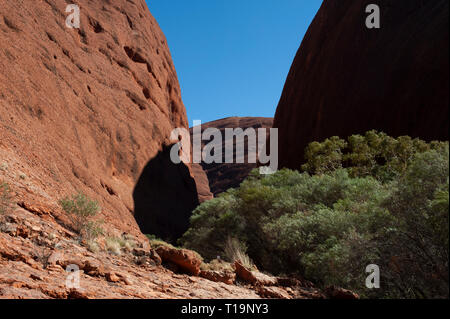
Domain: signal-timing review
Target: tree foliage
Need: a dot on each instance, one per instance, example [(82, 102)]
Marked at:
[(370, 200)]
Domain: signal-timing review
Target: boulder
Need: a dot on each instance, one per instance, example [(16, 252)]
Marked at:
[(226, 277), (186, 260), (255, 278)]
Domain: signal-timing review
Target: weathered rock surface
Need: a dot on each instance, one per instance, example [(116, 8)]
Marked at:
[(347, 79), (253, 277), (340, 293), (35, 267), (223, 176), (202, 183), (277, 287), (186, 260), (226, 277), (88, 109)]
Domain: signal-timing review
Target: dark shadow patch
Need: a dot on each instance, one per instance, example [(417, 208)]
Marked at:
[(96, 26), (10, 24), (135, 56), (164, 198), (136, 100)]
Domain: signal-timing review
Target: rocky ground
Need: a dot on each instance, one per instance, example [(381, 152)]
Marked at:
[(36, 248)]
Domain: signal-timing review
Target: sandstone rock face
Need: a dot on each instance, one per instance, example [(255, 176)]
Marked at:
[(347, 79), (86, 109), (224, 176), (202, 183)]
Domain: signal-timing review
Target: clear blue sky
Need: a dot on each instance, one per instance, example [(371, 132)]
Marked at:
[(232, 56)]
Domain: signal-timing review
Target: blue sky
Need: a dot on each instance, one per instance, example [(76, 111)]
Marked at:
[(232, 56)]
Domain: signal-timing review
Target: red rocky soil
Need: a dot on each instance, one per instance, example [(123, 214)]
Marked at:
[(35, 251)]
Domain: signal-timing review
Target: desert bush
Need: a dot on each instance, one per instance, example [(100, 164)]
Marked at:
[(93, 246), (374, 154), (81, 210), (217, 265), (236, 251), (92, 230), (420, 242), (5, 198), (329, 224), (113, 245), (212, 223), (117, 245)]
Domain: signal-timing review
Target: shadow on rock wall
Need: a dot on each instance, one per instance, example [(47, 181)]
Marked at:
[(164, 197)]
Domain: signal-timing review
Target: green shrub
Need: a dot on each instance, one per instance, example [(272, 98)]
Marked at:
[(5, 198), (391, 211), (374, 154), (80, 210), (420, 242)]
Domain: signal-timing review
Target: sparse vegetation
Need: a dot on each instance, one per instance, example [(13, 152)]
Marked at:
[(5, 198), (42, 256), (113, 246), (372, 200), (81, 210), (217, 265), (93, 246), (236, 251), (117, 245), (3, 167), (156, 242)]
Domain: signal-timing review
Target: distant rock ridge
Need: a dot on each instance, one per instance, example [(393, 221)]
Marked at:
[(223, 176)]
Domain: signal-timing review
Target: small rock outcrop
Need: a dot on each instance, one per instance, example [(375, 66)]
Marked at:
[(226, 277), (186, 260), (253, 277)]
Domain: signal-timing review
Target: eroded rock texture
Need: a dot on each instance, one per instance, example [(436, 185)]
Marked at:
[(223, 176), (347, 79), (85, 109)]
